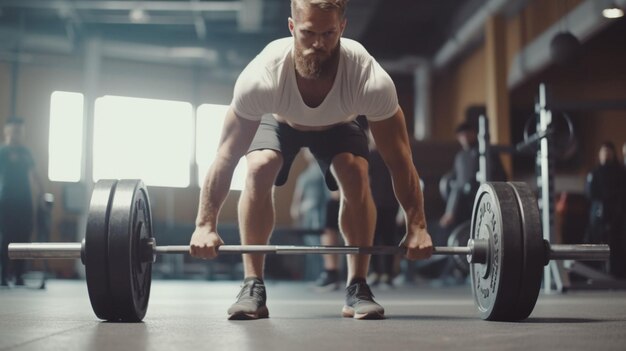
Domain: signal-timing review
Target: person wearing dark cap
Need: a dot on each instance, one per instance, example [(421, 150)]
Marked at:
[(17, 173), (463, 176)]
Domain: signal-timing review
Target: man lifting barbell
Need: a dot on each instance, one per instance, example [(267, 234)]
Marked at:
[(506, 250), (314, 85)]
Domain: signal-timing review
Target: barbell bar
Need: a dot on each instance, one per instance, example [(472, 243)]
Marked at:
[(74, 250), (505, 248)]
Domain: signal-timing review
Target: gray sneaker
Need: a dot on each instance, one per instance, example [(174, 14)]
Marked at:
[(250, 301), (360, 302)]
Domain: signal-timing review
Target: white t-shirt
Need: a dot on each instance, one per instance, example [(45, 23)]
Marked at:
[(268, 85)]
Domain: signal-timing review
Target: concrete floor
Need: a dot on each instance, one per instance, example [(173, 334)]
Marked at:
[(189, 315)]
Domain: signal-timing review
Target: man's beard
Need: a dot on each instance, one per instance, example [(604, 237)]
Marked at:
[(312, 64)]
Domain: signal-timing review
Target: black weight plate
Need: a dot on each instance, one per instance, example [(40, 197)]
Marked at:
[(459, 237), (96, 255), (496, 218), (534, 251), (129, 225)]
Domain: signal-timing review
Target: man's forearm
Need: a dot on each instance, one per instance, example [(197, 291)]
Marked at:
[(214, 191), (409, 193)]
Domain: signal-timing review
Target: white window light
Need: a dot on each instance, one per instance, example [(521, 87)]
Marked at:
[(143, 138), (65, 143), (210, 119)]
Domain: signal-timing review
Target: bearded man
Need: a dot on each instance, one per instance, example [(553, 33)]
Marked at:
[(306, 91)]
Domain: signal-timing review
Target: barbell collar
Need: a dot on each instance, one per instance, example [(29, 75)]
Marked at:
[(479, 251)]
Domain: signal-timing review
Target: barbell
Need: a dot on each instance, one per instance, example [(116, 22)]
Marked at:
[(506, 251)]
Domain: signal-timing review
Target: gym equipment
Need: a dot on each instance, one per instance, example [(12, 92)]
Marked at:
[(506, 287), (460, 235), (506, 251), (445, 185)]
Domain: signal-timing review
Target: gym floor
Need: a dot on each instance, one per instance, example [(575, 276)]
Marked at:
[(190, 315)]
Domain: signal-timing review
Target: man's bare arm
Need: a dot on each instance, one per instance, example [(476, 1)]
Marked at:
[(237, 134), (392, 141)]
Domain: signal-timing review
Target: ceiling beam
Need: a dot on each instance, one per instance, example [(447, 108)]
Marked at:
[(173, 19), (226, 51), (126, 5), (471, 30)]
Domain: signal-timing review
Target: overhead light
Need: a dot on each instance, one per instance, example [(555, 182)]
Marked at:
[(614, 12), (138, 15)]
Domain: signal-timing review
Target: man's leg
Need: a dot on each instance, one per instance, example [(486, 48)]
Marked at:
[(357, 220), (256, 221), (357, 215), (256, 206)]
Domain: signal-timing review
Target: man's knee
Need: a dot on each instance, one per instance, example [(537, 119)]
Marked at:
[(263, 166), (352, 174)]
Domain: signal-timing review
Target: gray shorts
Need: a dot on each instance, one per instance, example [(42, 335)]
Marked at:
[(324, 145)]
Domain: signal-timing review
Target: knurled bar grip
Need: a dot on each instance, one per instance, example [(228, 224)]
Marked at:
[(289, 250)]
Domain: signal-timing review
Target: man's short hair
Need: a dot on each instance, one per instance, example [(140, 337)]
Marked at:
[(326, 5)]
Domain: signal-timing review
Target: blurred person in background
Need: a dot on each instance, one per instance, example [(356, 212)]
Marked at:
[(17, 176), (606, 189)]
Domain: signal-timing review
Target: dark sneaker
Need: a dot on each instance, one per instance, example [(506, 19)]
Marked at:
[(360, 302), (250, 301), (328, 281)]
